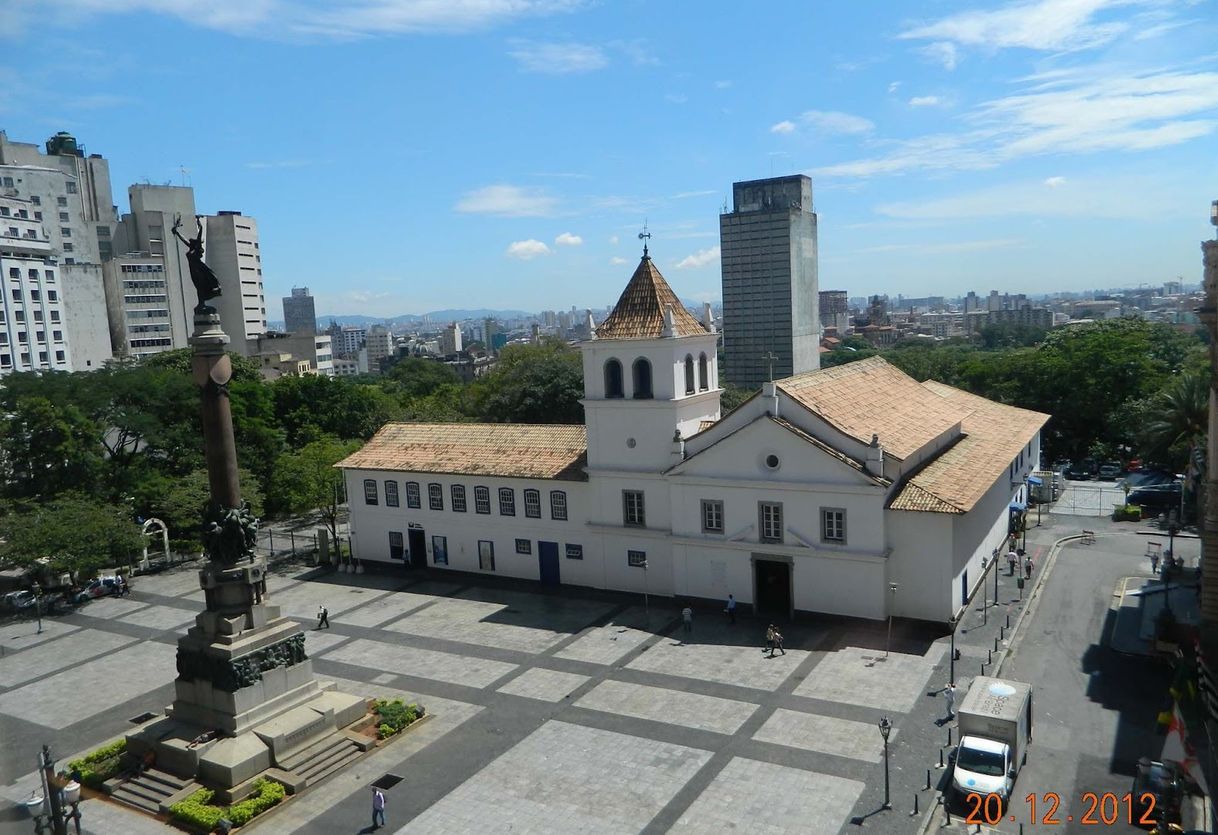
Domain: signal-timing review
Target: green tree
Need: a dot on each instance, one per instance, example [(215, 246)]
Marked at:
[(180, 501), (307, 480), (49, 448), (413, 377), (1179, 420), (245, 370), (732, 396), (540, 383), (310, 406), (77, 533)]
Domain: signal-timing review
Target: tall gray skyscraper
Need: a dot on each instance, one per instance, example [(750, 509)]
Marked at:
[(299, 312), (768, 252)]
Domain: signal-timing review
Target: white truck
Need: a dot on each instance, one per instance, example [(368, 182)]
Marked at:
[(995, 726)]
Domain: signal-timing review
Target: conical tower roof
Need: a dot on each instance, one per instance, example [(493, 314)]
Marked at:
[(641, 310)]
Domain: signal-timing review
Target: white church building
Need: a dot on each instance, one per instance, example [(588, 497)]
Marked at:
[(852, 490)]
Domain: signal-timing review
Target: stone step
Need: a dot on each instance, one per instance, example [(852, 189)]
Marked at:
[(350, 756), (152, 791), (170, 781), (313, 767), (318, 748), (130, 798)]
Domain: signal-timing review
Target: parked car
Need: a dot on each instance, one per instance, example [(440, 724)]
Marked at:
[(1159, 497), (1164, 783), (23, 599), (100, 587), (1110, 471), (1080, 470)]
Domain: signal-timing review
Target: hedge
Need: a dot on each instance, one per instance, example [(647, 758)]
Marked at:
[(99, 766), (198, 811), (396, 715)]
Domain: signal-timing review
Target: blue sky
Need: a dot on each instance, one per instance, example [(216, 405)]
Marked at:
[(409, 155)]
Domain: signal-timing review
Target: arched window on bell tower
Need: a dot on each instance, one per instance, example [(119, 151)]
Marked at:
[(689, 374), (642, 379), (703, 376), (613, 379)]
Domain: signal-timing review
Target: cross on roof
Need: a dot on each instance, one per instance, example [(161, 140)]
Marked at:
[(769, 357)]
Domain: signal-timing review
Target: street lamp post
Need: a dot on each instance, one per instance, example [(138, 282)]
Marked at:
[(38, 605), (995, 579), (885, 730), (646, 605), (892, 588), (951, 664), (1170, 565), (985, 575)]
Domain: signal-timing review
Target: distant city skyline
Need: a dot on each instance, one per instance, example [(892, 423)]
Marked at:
[(1028, 146)]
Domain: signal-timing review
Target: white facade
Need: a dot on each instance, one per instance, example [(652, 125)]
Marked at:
[(32, 324), (790, 502), (232, 250)]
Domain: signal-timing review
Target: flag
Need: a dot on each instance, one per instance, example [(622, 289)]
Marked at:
[(1176, 748)]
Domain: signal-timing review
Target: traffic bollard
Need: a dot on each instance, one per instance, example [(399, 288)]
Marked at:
[(928, 774), (1008, 620), (915, 811), (940, 758), (989, 656), (995, 645)]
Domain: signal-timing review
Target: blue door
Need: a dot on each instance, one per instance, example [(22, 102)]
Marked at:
[(547, 562)]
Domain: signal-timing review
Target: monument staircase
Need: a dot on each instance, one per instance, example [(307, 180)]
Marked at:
[(149, 789), (323, 757)]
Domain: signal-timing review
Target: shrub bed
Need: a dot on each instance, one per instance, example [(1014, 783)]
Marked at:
[(1126, 513), (99, 766), (199, 812), (395, 716)]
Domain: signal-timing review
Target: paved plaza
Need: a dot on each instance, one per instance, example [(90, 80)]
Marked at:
[(550, 711)]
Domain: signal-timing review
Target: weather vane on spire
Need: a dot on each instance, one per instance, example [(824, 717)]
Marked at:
[(644, 236)]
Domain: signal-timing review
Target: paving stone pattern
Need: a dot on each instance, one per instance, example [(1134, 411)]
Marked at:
[(547, 685)]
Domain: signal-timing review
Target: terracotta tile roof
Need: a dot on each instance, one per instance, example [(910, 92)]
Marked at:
[(639, 313), (873, 396), (956, 480), (703, 425), (510, 450)]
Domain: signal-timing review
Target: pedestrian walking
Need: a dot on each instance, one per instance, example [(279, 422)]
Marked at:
[(777, 646), (949, 696), (769, 640), (323, 618), (731, 608), (687, 619), (1027, 568), (378, 807), (1154, 563), (1012, 558)]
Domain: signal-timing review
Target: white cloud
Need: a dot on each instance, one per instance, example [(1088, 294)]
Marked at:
[(1073, 112), (893, 87), (1054, 182), (567, 239), (700, 258), (507, 201), (924, 101), (943, 53), (638, 51), (834, 121), (559, 58), (617, 260), (681, 195), (526, 250), (1049, 25), (613, 239), (722, 85), (946, 248), (676, 98), (785, 126), (320, 19)]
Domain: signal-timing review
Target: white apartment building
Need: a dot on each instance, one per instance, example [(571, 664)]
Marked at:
[(32, 323), (852, 490), (138, 297), (233, 252)]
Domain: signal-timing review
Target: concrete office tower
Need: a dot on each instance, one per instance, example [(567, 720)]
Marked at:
[(380, 345), (32, 334), (299, 312), (147, 231), (138, 305), (450, 340), (69, 196), (770, 304), (232, 251)]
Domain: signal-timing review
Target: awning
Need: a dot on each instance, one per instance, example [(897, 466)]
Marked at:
[(1034, 480), (1020, 506)]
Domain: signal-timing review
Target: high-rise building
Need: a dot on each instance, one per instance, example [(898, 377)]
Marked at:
[(450, 340), (771, 323), (234, 255), (299, 312), (380, 345), (32, 334), (147, 233), (68, 196)]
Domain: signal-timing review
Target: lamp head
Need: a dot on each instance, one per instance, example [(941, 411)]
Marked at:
[(885, 727)]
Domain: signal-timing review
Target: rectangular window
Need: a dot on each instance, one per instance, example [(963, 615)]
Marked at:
[(52, 296), (558, 505), (435, 497), (59, 356), (482, 500), (458, 493), (70, 185), (712, 516), (413, 499), (633, 514), (532, 504), (397, 547), (391, 494), (439, 550), (64, 217), (16, 294), (507, 501), (68, 248), (61, 201), (486, 555), (575, 552), (770, 521), (66, 231), (524, 546), (832, 524), (636, 559), (370, 496)]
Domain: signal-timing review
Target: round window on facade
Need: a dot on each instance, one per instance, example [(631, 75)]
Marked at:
[(630, 442), (772, 461)]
